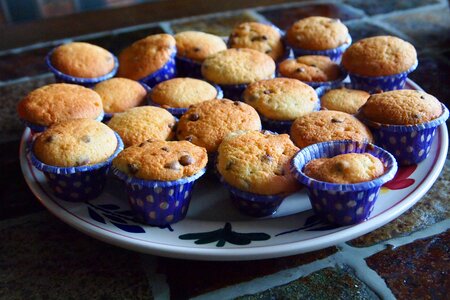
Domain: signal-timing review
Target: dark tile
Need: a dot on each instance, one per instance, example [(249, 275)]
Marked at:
[(10, 126), (429, 28), (420, 270), (190, 278), (360, 29), (116, 42), (285, 17), (433, 75), (42, 258), (28, 63), (383, 7), (220, 26), (329, 283), (432, 208), (16, 198)]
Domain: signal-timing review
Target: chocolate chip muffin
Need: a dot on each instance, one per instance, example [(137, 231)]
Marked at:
[(197, 45), (207, 123), (317, 33), (310, 68), (59, 102), (345, 168), (162, 160), (146, 56), (379, 56), (402, 107), (139, 124), (343, 99), (82, 60), (75, 143), (257, 162), (120, 94), (261, 37), (281, 98), (328, 125)]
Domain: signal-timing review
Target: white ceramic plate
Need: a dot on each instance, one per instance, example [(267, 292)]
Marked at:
[(215, 230)]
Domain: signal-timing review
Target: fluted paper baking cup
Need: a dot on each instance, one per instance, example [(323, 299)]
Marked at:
[(334, 54)]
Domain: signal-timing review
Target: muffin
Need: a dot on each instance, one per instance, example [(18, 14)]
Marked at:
[(233, 69), (343, 178), (193, 47), (315, 70), (81, 63), (254, 166), (75, 156), (258, 36), (159, 177), (119, 94), (206, 124), (59, 102), (404, 122), (177, 94), (344, 99), (280, 101), (379, 63), (150, 60), (318, 36), (139, 124), (328, 125)]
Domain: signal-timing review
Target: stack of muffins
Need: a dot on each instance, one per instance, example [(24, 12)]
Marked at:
[(270, 133)]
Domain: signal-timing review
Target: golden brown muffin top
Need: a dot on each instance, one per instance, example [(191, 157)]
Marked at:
[(343, 99), (310, 68), (197, 45), (119, 94)]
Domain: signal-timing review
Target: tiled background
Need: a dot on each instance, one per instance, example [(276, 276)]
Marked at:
[(40, 257)]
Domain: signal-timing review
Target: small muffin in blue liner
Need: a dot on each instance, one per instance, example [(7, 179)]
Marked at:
[(314, 70), (193, 47), (58, 102), (234, 69), (280, 101), (318, 36), (342, 98), (379, 63), (254, 167), (342, 203), (178, 94), (81, 63), (159, 177), (83, 174), (404, 122)]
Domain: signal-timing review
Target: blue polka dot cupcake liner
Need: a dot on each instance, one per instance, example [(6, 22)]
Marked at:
[(188, 68), (179, 111), (251, 204), (108, 116), (322, 90), (376, 84), (36, 128), (410, 144), (168, 71), (159, 203), (342, 204), (76, 184), (61, 77), (334, 54)]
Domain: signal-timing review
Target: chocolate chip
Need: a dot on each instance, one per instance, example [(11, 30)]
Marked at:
[(82, 162), (267, 92), (50, 139), (300, 70), (268, 51), (171, 125), (237, 103), (340, 166), (174, 165), (267, 158), (422, 97), (229, 165), (280, 172), (334, 120), (264, 38), (86, 138), (417, 116), (142, 144), (189, 138), (165, 149), (313, 65), (194, 117), (196, 49), (133, 168), (150, 141), (186, 160)]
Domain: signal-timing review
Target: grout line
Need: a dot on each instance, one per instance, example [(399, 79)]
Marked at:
[(388, 28), (420, 9), (259, 17), (165, 26), (158, 285), (24, 79)]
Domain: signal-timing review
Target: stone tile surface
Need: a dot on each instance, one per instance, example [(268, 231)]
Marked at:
[(42, 258), (10, 95), (220, 26), (285, 17), (432, 208), (360, 29), (28, 63), (420, 270), (329, 283), (429, 28), (388, 6), (208, 276)]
